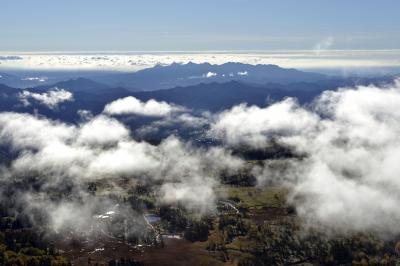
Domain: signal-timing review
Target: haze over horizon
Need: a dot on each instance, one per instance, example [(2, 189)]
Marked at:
[(132, 35), (198, 25)]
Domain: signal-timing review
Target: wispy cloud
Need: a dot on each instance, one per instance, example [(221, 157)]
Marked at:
[(51, 98), (324, 45)]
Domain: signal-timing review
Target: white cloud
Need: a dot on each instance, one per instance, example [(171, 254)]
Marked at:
[(131, 105), (255, 126), (210, 75), (348, 179), (101, 148), (40, 79), (97, 131), (190, 194), (23, 131), (85, 115), (51, 98)]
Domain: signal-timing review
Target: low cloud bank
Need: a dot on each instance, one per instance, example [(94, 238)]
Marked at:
[(345, 178)]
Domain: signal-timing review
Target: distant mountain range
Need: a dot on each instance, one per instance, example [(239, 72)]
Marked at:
[(77, 85), (13, 80), (220, 96), (198, 87), (93, 96), (164, 77)]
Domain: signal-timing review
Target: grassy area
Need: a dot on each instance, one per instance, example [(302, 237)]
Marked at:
[(253, 197), (242, 244)]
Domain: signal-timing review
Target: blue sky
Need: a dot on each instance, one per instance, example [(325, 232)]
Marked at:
[(203, 25)]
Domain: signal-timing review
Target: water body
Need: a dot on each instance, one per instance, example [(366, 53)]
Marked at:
[(152, 218)]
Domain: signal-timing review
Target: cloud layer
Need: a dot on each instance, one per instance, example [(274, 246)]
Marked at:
[(348, 180), (138, 61), (343, 177), (66, 157)]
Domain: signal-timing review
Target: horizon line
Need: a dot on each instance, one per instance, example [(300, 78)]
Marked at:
[(191, 51)]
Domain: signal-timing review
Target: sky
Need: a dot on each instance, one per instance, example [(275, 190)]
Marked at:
[(203, 25)]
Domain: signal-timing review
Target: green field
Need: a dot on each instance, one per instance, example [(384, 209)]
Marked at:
[(253, 197)]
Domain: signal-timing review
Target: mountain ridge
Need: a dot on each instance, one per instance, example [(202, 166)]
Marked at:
[(175, 74)]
